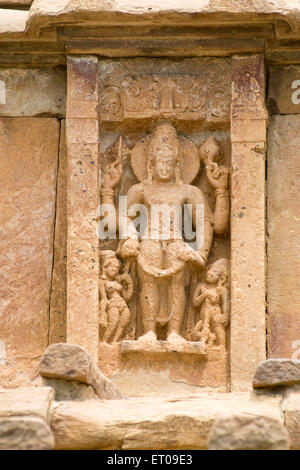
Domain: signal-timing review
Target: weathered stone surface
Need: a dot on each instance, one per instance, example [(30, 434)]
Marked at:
[(145, 423), (58, 301), (16, 3), (142, 380), (157, 348), (266, 17), (13, 21), (248, 432), (284, 90), (26, 401), (25, 433), (12, 377), (66, 390), (28, 168), (283, 276), (153, 8), (274, 372), (291, 409), (247, 221), (83, 200), (149, 370), (33, 92), (72, 362)]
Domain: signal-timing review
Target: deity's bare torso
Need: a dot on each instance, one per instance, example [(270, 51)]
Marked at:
[(169, 196)]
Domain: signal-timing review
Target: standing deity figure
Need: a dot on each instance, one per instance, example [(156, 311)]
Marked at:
[(166, 164), (115, 290), (213, 301)]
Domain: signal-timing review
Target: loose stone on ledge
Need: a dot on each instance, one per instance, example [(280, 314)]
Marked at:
[(69, 363), (277, 372)]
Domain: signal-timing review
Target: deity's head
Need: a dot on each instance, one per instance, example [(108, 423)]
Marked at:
[(218, 272), (110, 264), (164, 159)]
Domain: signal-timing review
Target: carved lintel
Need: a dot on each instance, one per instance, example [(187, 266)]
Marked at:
[(145, 89)]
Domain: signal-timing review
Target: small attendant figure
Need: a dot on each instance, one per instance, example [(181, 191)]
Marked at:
[(115, 290), (213, 300)]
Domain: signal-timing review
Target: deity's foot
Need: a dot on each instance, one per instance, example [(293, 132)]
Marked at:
[(175, 338), (148, 337)]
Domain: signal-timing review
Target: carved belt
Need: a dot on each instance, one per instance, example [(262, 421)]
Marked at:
[(159, 273)]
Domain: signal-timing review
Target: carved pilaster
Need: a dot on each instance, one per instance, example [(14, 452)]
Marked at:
[(248, 136), (83, 173)]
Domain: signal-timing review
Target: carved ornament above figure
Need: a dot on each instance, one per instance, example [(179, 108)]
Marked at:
[(142, 89)]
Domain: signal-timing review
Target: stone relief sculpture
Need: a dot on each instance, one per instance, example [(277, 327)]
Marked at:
[(162, 88), (115, 290), (212, 299), (165, 164)]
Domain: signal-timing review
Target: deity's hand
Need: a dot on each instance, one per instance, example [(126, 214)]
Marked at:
[(217, 176), (112, 175), (130, 249), (189, 255)]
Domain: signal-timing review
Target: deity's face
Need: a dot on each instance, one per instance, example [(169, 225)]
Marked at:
[(165, 162), (112, 268), (164, 152), (164, 166)]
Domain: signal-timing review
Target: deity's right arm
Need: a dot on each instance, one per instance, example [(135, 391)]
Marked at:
[(107, 196), (110, 179), (128, 208), (108, 210)]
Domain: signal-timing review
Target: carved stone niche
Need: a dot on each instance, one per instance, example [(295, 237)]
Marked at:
[(163, 222)]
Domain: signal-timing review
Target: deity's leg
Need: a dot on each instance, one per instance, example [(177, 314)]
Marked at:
[(149, 300), (176, 293), (149, 297), (176, 296)]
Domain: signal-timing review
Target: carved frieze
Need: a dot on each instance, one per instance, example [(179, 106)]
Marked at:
[(188, 90)]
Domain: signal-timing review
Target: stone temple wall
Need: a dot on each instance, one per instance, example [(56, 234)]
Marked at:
[(33, 220), (34, 169), (77, 76)]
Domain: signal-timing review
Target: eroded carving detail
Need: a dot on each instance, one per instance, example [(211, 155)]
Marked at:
[(142, 90)]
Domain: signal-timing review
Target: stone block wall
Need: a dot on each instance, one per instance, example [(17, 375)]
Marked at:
[(33, 224), (283, 213)]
